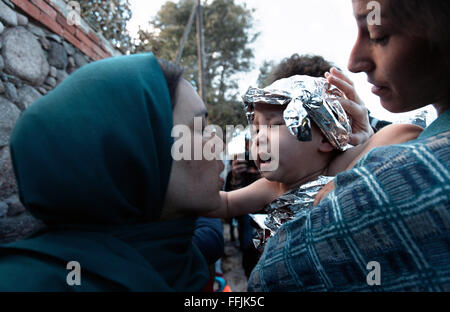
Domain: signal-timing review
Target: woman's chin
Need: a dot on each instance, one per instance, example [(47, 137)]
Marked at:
[(395, 105)]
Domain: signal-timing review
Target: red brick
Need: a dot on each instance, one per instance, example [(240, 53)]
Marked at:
[(51, 23), (100, 53), (28, 8), (87, 50), (61, 20), (80, 35), (93, 37), (106, 55), (83, 47), (97, 49), (91, 54), (69, 37), (19, 3), (45, 8)]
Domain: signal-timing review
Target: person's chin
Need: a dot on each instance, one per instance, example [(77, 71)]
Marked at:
[(270, 166), (387, 105), (389, 102), (394, 105), (271, 175)]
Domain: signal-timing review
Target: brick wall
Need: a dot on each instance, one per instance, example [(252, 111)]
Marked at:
[(53, 14), (38, 50)]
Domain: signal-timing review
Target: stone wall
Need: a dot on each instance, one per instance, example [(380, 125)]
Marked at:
[(38, 50)]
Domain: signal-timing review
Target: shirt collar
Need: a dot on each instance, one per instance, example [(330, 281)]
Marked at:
[(440, 125)]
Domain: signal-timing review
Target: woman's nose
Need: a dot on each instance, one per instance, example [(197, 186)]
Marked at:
[(360, 58), (221, 165), (219, 143)]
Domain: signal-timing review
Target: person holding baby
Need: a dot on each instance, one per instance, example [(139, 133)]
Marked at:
[(388, 203), (392, 206)]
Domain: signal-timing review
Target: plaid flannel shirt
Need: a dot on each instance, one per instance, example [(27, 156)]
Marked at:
[(392, 207)]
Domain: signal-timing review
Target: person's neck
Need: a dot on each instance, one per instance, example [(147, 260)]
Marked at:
[(169, 213)]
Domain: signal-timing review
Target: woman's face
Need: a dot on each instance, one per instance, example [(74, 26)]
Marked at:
[(400, 67), (194, 185)]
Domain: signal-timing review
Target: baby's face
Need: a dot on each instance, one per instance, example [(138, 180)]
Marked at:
[(278, 154)]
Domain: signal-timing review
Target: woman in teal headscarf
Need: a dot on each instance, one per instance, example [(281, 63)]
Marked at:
[(93, 161)]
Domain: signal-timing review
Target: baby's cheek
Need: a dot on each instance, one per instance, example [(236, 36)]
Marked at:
[(282, 141), (288, 149), (253, 151)]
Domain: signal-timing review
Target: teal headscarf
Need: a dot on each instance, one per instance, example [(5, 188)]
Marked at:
[(92, 160)]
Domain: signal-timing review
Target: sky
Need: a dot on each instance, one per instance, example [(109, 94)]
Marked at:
[(322, 27)]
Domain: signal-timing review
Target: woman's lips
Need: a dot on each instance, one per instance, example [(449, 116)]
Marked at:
[(377, 90)]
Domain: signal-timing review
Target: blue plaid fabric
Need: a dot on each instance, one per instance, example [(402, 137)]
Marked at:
[(392, 207)]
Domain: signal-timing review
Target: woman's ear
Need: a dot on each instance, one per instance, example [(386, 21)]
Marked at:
[(324, 145)]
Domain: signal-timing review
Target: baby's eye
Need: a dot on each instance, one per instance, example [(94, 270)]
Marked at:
[(277, 124)]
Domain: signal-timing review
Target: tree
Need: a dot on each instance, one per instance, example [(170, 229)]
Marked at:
[(109, 17), (264, 70), (228, 35)]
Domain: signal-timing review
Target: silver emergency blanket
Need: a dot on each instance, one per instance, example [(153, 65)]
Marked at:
[(306, 97), (285, 208)]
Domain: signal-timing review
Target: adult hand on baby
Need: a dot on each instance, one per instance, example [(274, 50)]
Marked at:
[(353, 106), (323, 192)]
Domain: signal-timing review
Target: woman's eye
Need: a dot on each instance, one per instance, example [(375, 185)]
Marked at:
[(380, 40)]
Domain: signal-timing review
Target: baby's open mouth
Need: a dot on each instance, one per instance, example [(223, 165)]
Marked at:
[(264, 158)]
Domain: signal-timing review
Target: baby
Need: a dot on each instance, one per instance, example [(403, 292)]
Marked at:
[(304, 152)]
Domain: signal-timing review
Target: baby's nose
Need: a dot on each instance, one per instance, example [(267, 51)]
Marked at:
[(261, 137)]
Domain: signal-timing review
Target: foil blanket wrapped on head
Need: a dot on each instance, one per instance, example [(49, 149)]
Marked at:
[(306, 98)]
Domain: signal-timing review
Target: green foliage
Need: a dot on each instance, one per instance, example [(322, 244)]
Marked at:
[(227, 38), (264, 71), (110, 18)]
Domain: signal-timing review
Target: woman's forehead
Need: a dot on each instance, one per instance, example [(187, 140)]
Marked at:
[(189, 104), (362, 9)]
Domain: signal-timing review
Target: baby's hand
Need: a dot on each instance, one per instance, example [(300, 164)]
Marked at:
[(323, 192), (353, 106)]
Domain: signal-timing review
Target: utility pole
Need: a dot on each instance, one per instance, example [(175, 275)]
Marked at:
[(200, 52), (187, 30)]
